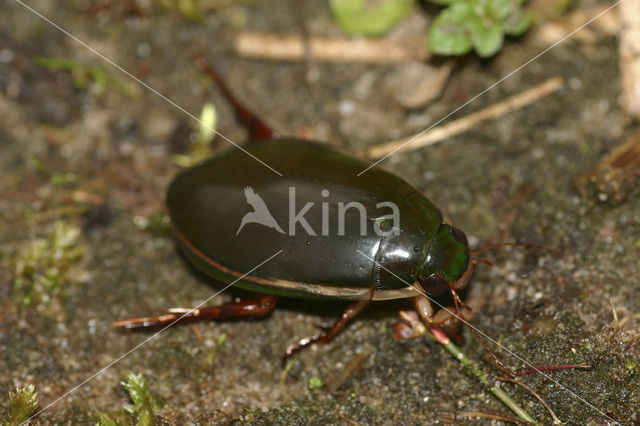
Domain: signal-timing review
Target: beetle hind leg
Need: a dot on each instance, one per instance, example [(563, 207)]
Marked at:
[(257, 128), (326, 335), (241, 308)]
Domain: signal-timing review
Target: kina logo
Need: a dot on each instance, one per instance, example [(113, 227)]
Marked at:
[(260, 214), (381, 224)]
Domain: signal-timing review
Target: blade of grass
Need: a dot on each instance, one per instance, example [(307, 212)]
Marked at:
[(474, 369)]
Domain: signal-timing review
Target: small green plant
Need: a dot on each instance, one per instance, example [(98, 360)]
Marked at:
[(23, 404), (141, 411), (190, 9), (358, 17), (211, 356), (463, 24), (144, 403), (59, 179), (105, 420), (201, 145), (83, 75), (477, 24), (315, 383), (157, 223), (42, 266)]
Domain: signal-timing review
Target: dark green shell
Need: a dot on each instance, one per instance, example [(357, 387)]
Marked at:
[(207, 204)]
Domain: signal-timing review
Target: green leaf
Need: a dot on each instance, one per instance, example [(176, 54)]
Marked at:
[(143, 402), (486, 40), (461, 11), (517, 23), (513, 18), (145, 418), (480, 24), (356, 17), (56, 63), (105, 420), (449, 33), (500, 9)]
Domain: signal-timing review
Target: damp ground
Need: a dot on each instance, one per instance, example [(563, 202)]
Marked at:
[(86, 156)]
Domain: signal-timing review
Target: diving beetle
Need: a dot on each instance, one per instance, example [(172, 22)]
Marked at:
[(426, 254)]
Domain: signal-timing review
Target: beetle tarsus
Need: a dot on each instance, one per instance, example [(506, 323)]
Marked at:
[(327, 333)]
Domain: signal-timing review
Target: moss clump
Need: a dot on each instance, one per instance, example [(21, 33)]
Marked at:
[(23, 404), (315, 383), (143, 407), (86, 75), (45, 264)]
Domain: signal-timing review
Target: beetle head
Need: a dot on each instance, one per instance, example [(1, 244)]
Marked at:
[(447, 265)]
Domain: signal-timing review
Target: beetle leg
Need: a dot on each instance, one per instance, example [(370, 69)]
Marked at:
[(458, 302), (241, 308), (257, 128), (428, 315), (326, 335)]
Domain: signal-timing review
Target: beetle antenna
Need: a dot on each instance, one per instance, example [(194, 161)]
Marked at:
[(486, 345), (498, 245), (457, 301), (483, 261)]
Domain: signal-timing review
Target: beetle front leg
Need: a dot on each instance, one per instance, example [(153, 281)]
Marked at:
[(242, 308), (326, 335), (416, 324), (426, 312)]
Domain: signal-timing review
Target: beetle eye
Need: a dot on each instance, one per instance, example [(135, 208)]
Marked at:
[(459, 236), (434, 285)]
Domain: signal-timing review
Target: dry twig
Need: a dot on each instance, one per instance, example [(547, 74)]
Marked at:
[(553, 31), (629, 51), (481, 415), (322, 49), (464, 124), (556, 420)]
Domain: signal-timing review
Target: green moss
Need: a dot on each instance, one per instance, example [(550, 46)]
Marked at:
[(142, 410), (631, 366), (144, 403), (157, 224), (45, 264), (23, 404), (190, 9), (105, 420), (315, 383), (211, 355), (84, 75)]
